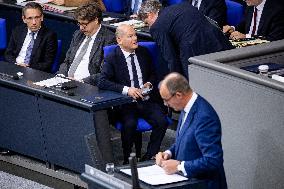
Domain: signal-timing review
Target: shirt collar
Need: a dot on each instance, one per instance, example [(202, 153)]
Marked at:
[(95, 34), (126, 54), (190, 103), (261, 5)]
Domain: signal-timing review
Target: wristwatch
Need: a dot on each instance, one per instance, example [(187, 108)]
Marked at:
[(179, 167)]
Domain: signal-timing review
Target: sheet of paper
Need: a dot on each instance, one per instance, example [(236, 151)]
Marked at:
[(155, 175), (52, 81)]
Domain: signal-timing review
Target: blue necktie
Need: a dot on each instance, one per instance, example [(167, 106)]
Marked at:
[(182, 114), (134, 71), (135, 7), (30, 48)]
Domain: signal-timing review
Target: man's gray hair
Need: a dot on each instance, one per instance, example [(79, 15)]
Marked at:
[(149, 6), (176, 82)]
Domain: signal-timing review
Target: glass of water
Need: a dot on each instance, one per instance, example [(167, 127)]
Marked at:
[(110, 169)]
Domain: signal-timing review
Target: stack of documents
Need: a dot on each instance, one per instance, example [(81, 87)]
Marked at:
[(155, 175)]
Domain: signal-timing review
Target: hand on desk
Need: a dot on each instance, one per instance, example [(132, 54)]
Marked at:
[(22, 64), (160, 157), (228, 29), (237, 35), (170, 166)]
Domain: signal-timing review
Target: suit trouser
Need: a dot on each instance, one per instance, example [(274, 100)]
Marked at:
[(154, 115)]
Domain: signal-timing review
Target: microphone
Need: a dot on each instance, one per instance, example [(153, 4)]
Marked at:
[(133, 166)]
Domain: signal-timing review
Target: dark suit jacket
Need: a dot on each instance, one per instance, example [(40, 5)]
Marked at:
[(199, 145), (271, 25), (181, 32), (104, 37), (114, 75), (44, 49), (214, 9)]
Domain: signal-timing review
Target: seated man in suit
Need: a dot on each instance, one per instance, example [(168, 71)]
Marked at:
[(126, 70), (179, 38), (263, 18), (197, 151), (84, 57), (76, 3), (32, 45), (216, 10)]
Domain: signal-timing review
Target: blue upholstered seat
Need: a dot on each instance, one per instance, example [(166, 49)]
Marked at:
[(142, 125), (55, 65), (172, 2), (3, 37), (114, 5), (235, 13)]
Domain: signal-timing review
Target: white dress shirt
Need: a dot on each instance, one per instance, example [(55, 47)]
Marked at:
[(82, 70), (259, 13), (129, 66), (23, 51)]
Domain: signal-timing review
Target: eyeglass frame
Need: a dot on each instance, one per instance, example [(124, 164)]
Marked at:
[(33, 18), (84, 25), (168, 99)]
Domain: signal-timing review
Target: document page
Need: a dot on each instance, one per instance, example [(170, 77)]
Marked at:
[(155, 175), (52, 81)]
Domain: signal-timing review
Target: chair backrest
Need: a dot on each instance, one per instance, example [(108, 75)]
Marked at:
[(235, 12), (55, 65), (114, 5), (172, 2), (3, 34), (151, 46)]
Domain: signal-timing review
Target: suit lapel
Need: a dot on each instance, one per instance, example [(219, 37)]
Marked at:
[(266, 12), (186, 125), (37, 40), (21, 39), (249, 18), (96, 44)]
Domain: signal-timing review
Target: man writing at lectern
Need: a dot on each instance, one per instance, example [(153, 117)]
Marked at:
[(197, 151)]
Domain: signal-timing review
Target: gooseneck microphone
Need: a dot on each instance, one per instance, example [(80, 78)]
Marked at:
[(134, 173)]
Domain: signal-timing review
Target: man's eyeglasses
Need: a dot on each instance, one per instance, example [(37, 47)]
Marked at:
[(168, 99), (33, 18), (84, 25)]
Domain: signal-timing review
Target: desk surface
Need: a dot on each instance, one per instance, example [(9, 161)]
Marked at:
[(95, 177), (82, 91)]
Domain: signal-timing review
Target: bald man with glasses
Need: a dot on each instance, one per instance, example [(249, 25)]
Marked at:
[(84, 57)]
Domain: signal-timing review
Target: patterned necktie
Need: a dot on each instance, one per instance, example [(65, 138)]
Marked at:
[(30, 48), (195, 3), (254, 22), (79, 58), (135, 7), (134, 71), (182, 114)]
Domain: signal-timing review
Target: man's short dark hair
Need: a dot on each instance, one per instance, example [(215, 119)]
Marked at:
[(89, 12), (149, 6), (32, 5)]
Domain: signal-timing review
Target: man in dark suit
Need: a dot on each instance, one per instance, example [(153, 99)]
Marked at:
[(262, 18), (126, 70), (84, 57), (181, 32), (32, 45), (216, 10), (197, 151)]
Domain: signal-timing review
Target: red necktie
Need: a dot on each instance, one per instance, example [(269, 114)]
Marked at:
[(254, 22)]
